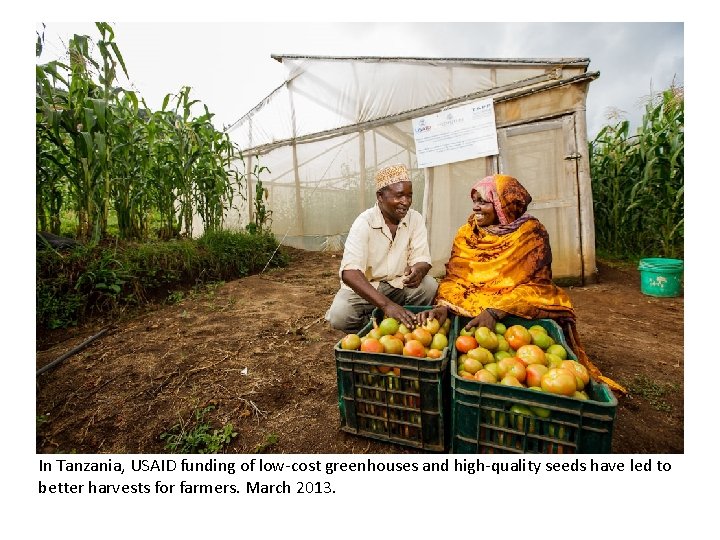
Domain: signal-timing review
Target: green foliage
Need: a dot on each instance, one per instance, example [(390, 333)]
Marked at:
[(41, 419), (56, 307), (197, 436), (108, 165), (270, 440), (100, 149), (238, 253), (107, 277), (638, 183), (263, 216), (175, 297)]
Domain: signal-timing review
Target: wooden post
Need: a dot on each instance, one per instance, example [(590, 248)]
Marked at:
[(427, 207), (585, 203)]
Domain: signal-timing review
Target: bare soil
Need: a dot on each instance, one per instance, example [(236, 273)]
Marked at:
[(259, 351)]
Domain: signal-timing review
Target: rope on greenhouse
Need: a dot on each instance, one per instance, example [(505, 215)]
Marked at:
[(322, 179)]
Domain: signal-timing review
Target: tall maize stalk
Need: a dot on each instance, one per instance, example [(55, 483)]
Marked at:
[(638, 183), (98, 150)]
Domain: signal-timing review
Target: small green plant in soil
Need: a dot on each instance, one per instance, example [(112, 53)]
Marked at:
[(197, 436), (652, 391), (41, 419), (270, 440)]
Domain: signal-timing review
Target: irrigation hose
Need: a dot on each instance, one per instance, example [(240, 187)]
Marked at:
[(72, 351)]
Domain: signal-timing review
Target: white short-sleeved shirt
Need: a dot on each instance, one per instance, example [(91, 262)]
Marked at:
[(371, 248)]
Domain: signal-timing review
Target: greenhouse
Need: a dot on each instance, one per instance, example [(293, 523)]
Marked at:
[(324, 132)]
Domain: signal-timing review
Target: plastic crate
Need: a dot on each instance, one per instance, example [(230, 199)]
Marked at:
[(407, 405), (483, 422)]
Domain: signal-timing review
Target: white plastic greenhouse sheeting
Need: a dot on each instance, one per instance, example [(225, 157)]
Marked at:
[(326, 93), (350, 117)]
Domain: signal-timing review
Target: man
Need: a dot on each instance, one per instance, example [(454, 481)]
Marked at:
[(386, 258)]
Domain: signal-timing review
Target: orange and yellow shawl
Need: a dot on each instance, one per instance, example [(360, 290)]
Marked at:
[(508, 267)]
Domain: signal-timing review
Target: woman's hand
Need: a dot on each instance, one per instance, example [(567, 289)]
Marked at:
[(439, 312), (484, 319)]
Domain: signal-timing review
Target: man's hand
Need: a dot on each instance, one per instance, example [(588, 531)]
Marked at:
[(414, 274), (400, 314), (357, 281)]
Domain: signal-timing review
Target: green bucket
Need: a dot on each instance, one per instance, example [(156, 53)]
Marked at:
[(660, 277)]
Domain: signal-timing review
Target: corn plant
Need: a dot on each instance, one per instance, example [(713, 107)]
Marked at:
[(131, 180), (74, 117), (100, 150), (638, 182), (262, 216)]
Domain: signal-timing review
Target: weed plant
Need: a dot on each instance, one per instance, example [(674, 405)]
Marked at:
[(652, 391), (197, 436)]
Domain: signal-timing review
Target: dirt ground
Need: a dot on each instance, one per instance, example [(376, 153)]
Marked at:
[(258, 350)]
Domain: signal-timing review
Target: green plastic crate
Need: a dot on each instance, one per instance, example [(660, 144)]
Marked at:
[(482, 420), (408, 405)]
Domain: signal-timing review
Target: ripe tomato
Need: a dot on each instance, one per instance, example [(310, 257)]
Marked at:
[(432, 326), (391, 344), (422, 335), (434, 354), (350, 342), (579, 370), (465, 343), (517, 336), (531, 354), (509, 380), (535, 373), (511, 366), (485, 376), (414, 348), (372, 345), (375, 333), (481, 354), (517, 370), (559, 381), (472, 366)]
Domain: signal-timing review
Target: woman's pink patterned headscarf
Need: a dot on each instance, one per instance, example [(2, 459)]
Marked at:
[(510, 199)]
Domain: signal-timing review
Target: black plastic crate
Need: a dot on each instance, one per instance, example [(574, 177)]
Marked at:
[(490, 418), (394, 398)]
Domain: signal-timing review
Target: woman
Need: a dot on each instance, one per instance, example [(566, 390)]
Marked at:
[(500, 264)]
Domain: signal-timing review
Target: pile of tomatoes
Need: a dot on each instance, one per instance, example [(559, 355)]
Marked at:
[(519, 356), (390, 337)]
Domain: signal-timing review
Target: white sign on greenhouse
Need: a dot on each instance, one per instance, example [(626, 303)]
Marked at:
[(458, 134)]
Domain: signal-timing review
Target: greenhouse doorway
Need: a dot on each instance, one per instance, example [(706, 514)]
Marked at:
[(544, 157)]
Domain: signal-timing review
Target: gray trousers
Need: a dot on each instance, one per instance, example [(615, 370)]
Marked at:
[(350, 312)]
